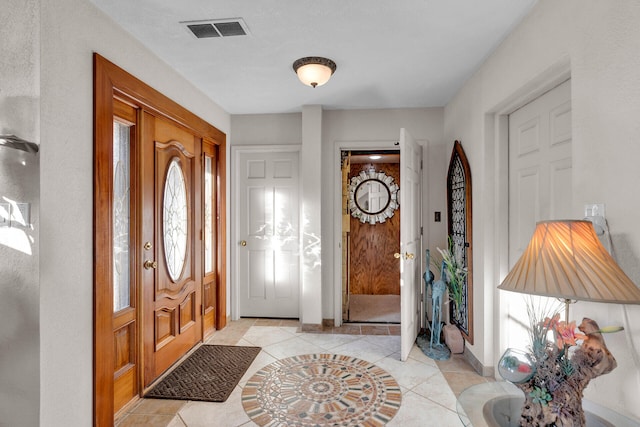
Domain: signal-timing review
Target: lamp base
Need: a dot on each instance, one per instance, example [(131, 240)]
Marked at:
[(553, 396)]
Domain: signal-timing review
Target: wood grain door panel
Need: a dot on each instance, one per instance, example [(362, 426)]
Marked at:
[(372, 268), (125, 320), (210, 192), (173, 293), (136, 339)]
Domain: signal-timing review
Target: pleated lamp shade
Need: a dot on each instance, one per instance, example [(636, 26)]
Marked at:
[(565, 259)]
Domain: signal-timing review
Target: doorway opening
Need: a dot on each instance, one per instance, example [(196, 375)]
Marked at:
[(370, 236)]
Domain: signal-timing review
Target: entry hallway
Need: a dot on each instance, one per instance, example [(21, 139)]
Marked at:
[(429, 388)]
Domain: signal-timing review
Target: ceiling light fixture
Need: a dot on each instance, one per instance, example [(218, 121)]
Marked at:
[(375, 157), (314, 70)]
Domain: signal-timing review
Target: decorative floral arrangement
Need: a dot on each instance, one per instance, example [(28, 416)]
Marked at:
[(454, 273), (555, 372)]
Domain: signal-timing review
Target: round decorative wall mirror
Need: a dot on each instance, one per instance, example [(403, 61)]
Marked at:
[(373, 196)]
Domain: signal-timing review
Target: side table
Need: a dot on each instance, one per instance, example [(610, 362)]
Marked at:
[(499, 404), (471, 402)]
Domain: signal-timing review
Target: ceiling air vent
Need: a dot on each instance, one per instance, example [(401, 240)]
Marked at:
[(217, 28)]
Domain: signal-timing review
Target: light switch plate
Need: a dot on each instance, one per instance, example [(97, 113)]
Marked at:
[(20, 216), (5, 214)]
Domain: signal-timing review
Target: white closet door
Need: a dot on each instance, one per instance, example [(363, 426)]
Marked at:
[(540, 179), (268, 246)]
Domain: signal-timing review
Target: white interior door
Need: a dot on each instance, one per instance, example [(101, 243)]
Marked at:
[(540, 184), (410, 248), (267, 237)]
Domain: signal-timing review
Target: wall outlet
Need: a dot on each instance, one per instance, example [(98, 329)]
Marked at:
[(594, 209), (594, 212)]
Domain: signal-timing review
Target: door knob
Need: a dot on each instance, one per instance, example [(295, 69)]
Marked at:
[(148, 264), (407, 255), (243, 243)]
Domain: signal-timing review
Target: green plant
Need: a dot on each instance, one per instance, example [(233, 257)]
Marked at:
[(540, 395), (455, 273), (553, 361), (539, 329)]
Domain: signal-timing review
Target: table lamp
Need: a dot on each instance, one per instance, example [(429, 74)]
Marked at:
[(565, 260)]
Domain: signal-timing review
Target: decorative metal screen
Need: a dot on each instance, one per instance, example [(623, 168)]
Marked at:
[(459, 214)]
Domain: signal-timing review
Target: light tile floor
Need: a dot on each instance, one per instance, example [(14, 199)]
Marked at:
[(429, 388)]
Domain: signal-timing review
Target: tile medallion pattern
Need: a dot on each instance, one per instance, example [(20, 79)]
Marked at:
[(321, 389)]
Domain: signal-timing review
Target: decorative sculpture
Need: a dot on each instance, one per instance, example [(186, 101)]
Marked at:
[(436, 350), (553, 396)]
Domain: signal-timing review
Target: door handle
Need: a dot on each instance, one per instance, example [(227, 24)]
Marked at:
[(148, 264), (243, 243), (407, 255)]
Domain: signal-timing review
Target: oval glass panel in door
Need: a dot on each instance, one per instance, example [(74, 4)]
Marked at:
[(174, 219)]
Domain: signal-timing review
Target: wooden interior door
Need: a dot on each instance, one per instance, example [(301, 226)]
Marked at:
[(372, 268), (171, 180)]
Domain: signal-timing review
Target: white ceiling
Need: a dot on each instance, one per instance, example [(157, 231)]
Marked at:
[(389, 53)]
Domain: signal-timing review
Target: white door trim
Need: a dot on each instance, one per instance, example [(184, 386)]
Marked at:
[(339, 146), (236, 151)]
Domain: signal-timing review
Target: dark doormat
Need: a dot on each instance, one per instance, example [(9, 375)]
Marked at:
[(209, 374)]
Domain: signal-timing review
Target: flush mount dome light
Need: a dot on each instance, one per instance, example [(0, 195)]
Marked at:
[(314, 70)]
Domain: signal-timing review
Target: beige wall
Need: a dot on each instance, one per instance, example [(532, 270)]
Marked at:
[(19, 299), (597, 42), (266, 129), (348, 127), (599, 38), (71, 30)]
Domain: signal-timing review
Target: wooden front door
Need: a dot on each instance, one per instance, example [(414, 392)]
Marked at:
[(153, 251), (171, 181)]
